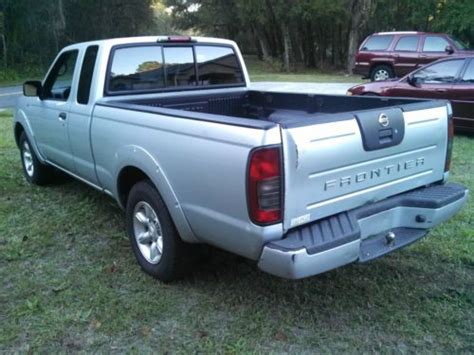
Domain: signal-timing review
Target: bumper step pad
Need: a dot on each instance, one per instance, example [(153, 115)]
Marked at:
[(343, 228)]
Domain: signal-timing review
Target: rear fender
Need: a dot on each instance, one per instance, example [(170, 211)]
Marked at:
[(138, 157)]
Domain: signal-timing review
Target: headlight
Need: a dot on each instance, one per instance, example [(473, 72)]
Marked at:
[(348, 93)]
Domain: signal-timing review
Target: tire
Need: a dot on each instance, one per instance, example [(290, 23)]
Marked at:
[(35, 172), (159, 250), (381, 72)]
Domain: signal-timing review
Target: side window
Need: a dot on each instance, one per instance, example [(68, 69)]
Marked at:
[(435, 44), (87, 71), (136, 69), (440, 73), (179, 66), (468, 76), (407, 44), (59, 81), (377, 43), (217, 66)]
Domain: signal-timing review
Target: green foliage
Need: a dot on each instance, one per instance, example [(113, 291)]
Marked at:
[(36, 30), (319, 29), (318, 34), (457, 18), (10, 76)]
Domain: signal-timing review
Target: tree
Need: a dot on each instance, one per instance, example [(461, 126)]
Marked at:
[(34, 31), (360, 15), (2, 38)]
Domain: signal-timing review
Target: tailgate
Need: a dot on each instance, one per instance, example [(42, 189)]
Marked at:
[(335, 166)]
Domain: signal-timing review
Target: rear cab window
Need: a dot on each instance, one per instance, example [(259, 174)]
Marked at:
[(157, 67), (179, 66), (407, 44), (218, 66), (377, 43), (137, 68)]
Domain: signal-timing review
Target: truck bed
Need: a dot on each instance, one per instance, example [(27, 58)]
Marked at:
[(338, 151), (281, 108)]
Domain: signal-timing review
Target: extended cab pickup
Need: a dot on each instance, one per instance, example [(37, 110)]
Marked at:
[(301, 183)]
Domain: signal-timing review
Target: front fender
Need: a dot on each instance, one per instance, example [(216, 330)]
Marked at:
[(138, 157), (20, 117)]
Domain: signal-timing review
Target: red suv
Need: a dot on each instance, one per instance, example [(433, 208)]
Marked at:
[(386, 55)]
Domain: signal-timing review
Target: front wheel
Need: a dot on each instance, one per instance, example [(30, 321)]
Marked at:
[(35, 172), (381, 72), (155, 241)]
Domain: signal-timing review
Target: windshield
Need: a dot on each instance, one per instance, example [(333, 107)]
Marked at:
[(458, 43)]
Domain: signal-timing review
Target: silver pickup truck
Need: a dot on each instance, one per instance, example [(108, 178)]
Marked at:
[(301, 183)]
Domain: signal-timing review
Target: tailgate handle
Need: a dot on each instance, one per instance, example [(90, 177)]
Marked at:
[(381, 129), (385, 136)]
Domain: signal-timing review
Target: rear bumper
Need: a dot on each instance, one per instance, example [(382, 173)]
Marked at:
[(362, 234)]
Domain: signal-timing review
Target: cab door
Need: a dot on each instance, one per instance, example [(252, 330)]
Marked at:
[(80, 115), (50, 112)]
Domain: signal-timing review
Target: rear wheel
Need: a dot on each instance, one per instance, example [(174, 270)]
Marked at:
[(155, 241), (35, 172), (381, 72)]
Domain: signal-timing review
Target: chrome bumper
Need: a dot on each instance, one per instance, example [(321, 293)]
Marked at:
[(377, 234)]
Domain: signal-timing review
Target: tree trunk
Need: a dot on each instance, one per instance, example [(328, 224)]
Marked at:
[(286, 47), (2, 35), (360, 15), (4, 47), (263, 48)]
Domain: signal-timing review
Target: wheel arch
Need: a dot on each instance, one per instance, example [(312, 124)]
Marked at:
[(382, 63), (18, 130), (131, 173), (22, 125)]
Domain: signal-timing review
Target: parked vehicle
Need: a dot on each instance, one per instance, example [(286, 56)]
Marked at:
[(386, 55), (300, 183), (451, 79)]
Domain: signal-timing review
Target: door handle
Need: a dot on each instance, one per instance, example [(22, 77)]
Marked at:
[(441, 90), (62, 116)]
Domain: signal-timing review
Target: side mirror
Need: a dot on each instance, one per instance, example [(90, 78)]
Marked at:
[(449, 49), (32, 88), (413, 80)]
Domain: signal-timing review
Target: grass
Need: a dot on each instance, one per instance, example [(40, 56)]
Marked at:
[(69, 282), (262, 71)]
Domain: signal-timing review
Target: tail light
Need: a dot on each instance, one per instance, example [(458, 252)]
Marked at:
[(449, 150), (264, 185)]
